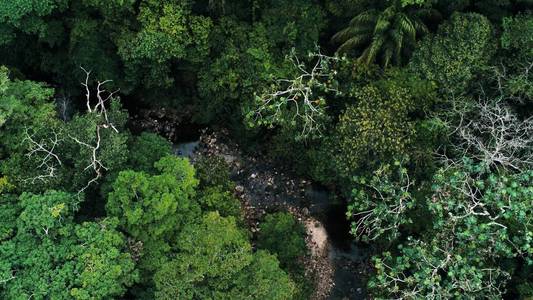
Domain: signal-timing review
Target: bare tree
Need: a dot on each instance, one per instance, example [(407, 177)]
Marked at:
[(43, 150), (102, 96), (300, 93), (493, 134), (386, 206)]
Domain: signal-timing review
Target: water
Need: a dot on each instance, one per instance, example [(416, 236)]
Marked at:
[(185, 149), (347, 256)]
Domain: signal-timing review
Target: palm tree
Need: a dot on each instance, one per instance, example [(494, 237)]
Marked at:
[(387, 35)]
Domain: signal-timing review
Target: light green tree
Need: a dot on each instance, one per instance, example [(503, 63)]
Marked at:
[(215, 261), (154, 208), (47, 255)]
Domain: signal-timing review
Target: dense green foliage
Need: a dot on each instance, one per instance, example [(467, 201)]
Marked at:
[(282, 235), (461, 47), (153, 209), (215, 261), (45, 254), (416, 114)]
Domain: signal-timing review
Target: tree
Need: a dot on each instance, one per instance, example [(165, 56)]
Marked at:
[(215, 261), (263, 279), (513, 76), (28, 16), (29, 132), (377, 127), (241, 62), (214, 172), (154, 208), (96, 144), (479, 219), (224, 202), (451, 58), (435, 270), (142, 152), (387, 36), (46, 153), (380, 203), (516, 36), (282, 235), (48, 255), (293, 24), (298, 102), (146, 150), (55, 37), (491, 133), (168, 32), (23, 103)]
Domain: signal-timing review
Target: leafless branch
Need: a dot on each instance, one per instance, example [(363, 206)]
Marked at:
[(102, 96), (63, 103), (494, 135), (504, 82), (43, 151)]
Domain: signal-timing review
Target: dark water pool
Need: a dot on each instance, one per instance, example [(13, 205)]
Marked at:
[(347, 256)]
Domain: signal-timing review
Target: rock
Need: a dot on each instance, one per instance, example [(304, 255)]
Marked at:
[(305, 211), (229, 158), (239, 189)]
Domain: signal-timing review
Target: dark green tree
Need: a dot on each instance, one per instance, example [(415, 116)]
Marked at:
[(167, 32), (452, 57), (145, 150), (282, 235), (217, 199)]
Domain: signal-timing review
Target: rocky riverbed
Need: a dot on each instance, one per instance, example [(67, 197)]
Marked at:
[(338, 266)]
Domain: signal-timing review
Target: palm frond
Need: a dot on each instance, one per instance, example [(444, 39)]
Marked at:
[(397, 37), (406, 26), (342, 35), (420, 27), (382, 26), (388, 34), (354, 42), (369, 16), (374, 49)]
